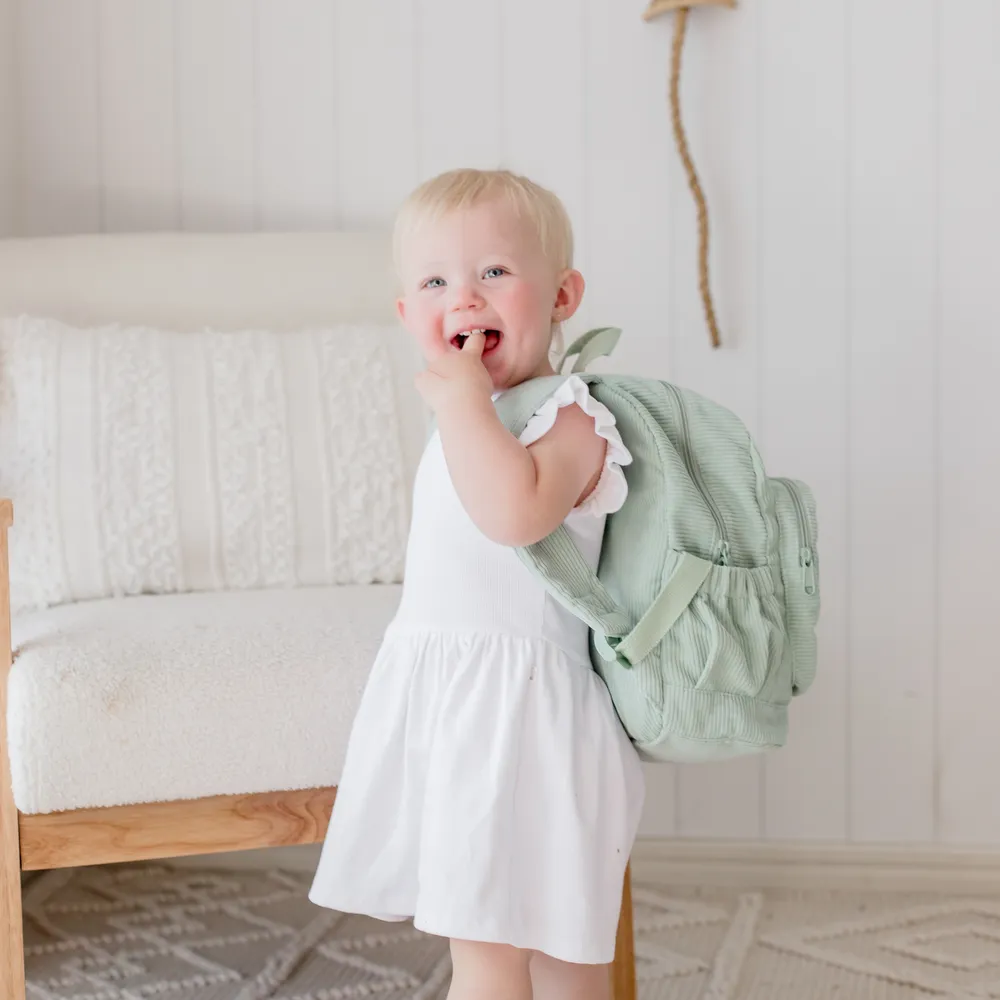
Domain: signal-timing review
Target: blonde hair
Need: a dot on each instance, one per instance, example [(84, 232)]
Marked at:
[(465, 188)]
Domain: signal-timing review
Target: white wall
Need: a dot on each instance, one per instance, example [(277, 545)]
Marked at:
[(851, 154), (7, 123)]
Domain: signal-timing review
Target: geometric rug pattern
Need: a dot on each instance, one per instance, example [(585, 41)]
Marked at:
[(129, 932)]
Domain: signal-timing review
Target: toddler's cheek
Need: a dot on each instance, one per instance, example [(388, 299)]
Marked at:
[(428, 341)]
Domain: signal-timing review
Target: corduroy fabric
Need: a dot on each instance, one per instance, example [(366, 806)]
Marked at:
[(719, 682)]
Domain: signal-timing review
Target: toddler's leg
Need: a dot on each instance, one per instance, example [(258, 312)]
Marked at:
[(555, 980), (489, 972)]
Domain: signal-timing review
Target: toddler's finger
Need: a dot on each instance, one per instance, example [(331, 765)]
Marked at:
[(475, 344)]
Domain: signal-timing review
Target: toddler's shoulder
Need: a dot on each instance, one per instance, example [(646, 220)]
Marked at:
[(573, 408), (572, 421)]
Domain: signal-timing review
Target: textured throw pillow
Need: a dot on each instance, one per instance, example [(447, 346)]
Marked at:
[(147, 461)]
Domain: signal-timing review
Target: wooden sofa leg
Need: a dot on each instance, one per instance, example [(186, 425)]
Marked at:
[(11, 928), (11, 932), (623, 971)]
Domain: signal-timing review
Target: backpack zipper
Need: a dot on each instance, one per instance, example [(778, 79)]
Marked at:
[(806, 556), (722, 548)]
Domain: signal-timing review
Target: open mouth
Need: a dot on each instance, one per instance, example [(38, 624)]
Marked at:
[(492, 339)]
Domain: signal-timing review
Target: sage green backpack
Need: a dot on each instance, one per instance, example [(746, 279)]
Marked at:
[(704, 605)]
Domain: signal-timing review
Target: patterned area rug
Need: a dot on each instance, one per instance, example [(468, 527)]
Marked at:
[(135, 931)]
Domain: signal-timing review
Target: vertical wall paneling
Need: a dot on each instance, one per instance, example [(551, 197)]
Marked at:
[(543, 133), (295, 135), (969, 474), (138, 115), (628, 163), (460, 89), (851, 156), (721, 113), (376, 109), (59, 117), (892, 419), (216, 93), (8, 122), (803, 372)]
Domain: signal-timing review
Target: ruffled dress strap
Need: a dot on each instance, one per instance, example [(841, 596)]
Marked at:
[(611, 490)]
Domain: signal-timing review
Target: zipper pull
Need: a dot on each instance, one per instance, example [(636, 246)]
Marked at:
[(808, 570), (723, 557)]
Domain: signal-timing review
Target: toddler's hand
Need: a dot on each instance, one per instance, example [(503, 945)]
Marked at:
[(456, 376)]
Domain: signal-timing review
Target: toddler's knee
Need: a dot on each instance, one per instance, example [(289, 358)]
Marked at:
[(482, 957)]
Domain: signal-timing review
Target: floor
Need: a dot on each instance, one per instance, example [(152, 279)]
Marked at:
[(150, 930)]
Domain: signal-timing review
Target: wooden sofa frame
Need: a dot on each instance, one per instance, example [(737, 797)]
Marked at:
[(163, 830)]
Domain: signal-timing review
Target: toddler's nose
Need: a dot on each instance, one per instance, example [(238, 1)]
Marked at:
[(465, 297)]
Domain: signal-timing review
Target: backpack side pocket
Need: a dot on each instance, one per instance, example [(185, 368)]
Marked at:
[(715, 663)]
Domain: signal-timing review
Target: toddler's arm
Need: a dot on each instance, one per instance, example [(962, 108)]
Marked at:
[(518, 495), (515, 495)]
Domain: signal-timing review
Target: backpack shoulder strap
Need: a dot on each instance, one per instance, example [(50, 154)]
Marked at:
[(556, 560), (517, 406), (567, 576), (597, 343)]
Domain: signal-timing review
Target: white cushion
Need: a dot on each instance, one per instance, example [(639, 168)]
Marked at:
[(227, 281), (149, 461), (148, 699)]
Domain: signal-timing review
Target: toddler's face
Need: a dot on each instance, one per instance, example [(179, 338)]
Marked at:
[(483, 269)]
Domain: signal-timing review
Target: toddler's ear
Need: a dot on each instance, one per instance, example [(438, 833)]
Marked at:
[(401, 310), (568, 295)]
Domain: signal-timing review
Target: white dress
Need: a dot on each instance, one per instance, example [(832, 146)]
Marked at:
[(489, 790)]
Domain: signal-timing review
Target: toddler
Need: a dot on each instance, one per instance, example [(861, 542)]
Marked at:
[(489, 791)]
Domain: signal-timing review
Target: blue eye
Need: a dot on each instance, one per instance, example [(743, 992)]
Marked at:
[(429, 283), (494, 272)]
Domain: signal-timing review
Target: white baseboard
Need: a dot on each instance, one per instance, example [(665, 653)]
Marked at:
[(740, 864), (798, 865)]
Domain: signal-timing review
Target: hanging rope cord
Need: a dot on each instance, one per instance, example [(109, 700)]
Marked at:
[(680, 30)]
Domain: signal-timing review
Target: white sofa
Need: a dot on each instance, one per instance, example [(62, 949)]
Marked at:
[(135, 699), (193, 696)]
